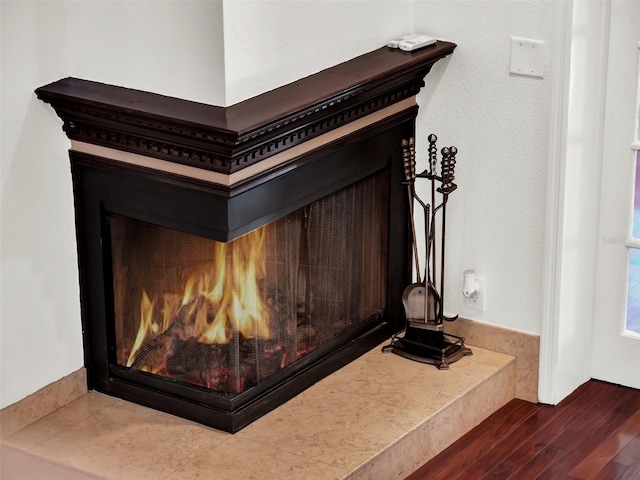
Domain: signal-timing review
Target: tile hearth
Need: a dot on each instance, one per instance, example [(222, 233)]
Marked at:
[(381, 417)]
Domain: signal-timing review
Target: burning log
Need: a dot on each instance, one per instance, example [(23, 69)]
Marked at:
[(152, 354), (155, 349), (233, 366), (194, 361)]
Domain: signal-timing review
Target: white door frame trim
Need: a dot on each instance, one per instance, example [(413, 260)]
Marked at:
[(557, 378), (554, 215)]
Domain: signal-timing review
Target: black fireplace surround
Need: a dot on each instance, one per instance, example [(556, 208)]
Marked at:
[(218, 173)]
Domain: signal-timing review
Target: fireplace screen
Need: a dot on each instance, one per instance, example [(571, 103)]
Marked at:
[(226, 316)]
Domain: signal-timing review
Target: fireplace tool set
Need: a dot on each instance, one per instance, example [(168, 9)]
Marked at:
[(424, 339)]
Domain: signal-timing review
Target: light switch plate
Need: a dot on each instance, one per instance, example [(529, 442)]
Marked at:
[(527, 57)]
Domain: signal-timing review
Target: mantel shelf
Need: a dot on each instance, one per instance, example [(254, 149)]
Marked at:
[(228, 139)]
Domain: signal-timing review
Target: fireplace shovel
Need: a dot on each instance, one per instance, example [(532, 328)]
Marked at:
[(414, 295), (421, 300)]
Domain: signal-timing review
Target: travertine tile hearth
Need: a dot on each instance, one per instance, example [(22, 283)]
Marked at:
[(381, 416)]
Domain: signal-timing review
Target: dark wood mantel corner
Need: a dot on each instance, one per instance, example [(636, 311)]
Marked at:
[(228, 139)]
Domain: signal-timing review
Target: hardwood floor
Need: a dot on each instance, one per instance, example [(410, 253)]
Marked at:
[(592, 434)]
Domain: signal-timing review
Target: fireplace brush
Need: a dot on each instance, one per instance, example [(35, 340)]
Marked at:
[(446, 187)]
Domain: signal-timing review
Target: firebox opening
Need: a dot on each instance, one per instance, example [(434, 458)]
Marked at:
[(227, 316)]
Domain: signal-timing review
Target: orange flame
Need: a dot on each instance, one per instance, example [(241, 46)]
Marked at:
[(146, 320), (217, 302)]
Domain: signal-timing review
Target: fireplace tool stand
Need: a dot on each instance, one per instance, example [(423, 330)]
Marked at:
[(424, 339)]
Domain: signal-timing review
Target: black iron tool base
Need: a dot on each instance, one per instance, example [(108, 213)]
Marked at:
[(435, 348)]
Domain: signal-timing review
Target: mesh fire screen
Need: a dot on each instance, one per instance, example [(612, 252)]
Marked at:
[(228, 315)]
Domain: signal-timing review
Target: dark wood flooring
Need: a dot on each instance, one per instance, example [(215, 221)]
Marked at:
[(592, 434)]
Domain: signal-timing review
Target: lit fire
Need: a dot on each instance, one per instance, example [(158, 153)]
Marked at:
[(215, 304)]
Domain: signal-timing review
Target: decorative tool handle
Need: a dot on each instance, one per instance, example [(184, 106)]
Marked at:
[(433, 153), (409, 159), (448, 170)]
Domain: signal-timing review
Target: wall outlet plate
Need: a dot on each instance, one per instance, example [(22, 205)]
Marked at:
[(477, 303)]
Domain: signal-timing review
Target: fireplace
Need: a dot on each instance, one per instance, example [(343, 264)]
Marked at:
[(232, 257), (229, 315)]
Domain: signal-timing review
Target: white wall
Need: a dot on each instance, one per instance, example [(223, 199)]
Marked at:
[(499, 122), (271, 43), (40, 335), (174, 48)]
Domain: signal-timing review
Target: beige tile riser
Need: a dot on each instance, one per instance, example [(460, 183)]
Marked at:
[(43, 402), (524, 346), (465, 413), (400, 459)]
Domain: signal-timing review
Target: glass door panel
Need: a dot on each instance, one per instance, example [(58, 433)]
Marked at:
[(632, 322), (635, 229), (633, 292)]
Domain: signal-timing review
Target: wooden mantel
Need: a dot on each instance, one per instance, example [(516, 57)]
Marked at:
[(228, 139)]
